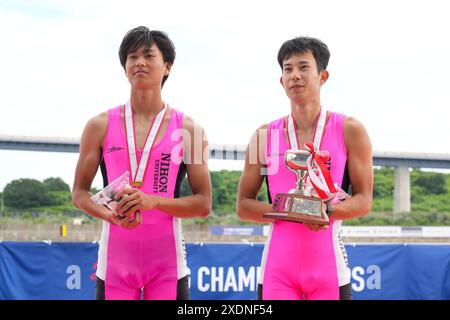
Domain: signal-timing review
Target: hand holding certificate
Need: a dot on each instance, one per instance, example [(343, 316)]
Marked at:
[(107, 195)]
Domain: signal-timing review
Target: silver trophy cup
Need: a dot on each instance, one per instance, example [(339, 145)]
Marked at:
[(296, 205)]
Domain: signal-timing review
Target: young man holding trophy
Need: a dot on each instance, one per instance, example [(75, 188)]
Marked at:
[(141, 249), (309, 159)]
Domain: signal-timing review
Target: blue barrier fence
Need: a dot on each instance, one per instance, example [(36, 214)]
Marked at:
[(30, 270)]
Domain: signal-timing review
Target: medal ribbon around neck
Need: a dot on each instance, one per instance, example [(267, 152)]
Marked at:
[(319, 177), (137, 172)]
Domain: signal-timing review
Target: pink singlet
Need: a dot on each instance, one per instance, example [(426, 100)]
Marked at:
[(298, 263), (151, 257)]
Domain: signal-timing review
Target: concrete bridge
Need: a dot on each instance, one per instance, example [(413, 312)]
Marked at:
[(401, 162)]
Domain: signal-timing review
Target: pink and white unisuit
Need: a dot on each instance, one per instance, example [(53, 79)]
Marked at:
[(151, 257), (298, 263)]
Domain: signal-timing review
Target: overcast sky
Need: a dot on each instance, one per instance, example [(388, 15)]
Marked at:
[(59, 67)]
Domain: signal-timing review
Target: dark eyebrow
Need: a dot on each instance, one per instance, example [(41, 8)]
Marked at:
[(300, 63), (145, 51), (149, 50)]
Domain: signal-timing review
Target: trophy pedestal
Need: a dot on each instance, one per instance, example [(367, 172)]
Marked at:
[(297, 207)]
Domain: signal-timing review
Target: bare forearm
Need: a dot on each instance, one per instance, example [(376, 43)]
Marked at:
[(187, 207), (81, 200), (253, 210), (356, 206)]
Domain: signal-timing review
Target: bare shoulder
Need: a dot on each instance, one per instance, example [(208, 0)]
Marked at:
[(261, 132), (190, 124), (354, 129), (256, 147), (263, 127), (193, 131), (259, 137), (95, 129), (353, 124), (98, 122), (355, 134)]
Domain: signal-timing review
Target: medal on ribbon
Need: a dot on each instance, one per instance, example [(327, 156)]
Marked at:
[(138, 170)]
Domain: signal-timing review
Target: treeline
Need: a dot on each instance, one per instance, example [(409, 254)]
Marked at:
[(51, 200), (30, 193), (429, 191), (430, 195), (31, 200), (430, 205)]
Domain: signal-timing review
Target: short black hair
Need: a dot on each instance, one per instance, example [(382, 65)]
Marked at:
[(318, 49), (143, 36)]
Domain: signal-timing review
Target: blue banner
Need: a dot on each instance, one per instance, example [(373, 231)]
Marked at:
[(37, 270), (220, 271), (237, 230), (400, 271)]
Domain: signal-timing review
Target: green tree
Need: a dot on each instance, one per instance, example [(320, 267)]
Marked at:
[(429, 182), (56, 184), (59, 191), (185, 189), (59, 197), (94, 190), (383, 183), (1, 202), (26, 193)]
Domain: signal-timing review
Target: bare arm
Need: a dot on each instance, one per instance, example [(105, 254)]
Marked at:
[(198, 204), (359, 160), (87, 165), (247, 206)]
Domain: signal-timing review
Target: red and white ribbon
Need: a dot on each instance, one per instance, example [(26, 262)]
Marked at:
[(137, 172), (319, 175)]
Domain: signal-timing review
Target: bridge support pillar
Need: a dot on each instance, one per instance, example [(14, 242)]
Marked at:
[(402, 190)]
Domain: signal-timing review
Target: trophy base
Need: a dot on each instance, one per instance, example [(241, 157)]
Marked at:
[(298, 208)]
